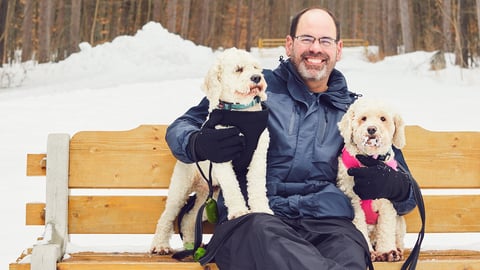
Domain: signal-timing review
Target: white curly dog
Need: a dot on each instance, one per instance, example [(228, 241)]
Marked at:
[(235, 78), (371, 127)]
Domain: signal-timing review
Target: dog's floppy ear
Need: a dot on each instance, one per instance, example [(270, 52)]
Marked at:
[(212, 84), (399, 139), (345, 124)]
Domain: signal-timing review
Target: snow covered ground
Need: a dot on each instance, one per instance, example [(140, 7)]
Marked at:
[(130, 81)]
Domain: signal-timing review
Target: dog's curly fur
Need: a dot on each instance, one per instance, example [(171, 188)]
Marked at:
[(233, 78), (370, 127)]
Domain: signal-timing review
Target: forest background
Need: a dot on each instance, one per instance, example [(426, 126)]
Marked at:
[(51, 30)]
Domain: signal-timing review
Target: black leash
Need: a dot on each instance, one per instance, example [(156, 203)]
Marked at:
[(411, 262), (197, 250)]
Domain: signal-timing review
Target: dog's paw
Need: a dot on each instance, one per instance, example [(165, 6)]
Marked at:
[(161, 250), (160, 246), (391, 256), (237, 214), (373, 256)]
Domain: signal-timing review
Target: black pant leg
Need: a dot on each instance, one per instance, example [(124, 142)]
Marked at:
[(265, 242)]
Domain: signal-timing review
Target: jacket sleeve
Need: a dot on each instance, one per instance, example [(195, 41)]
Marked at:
[(178, 132), (409, 204)]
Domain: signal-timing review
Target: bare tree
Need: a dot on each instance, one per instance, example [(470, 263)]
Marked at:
[(172, 15), (446, 8), (404, 11), (251, 17), (138, 16), (478, 19), (461, 51), (185, 17), (27, 27), (237, 32), (45, 30), (3, 30), (390, 34), (94, 23), (205, 14), (157, 10), (74, 35)]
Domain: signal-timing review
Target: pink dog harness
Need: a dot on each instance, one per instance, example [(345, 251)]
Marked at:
[(351, 162)]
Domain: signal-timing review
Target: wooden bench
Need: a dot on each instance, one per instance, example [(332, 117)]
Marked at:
[(280, 42), (140, 159)]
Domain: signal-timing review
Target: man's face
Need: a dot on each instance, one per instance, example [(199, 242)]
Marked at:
[(314, 61)]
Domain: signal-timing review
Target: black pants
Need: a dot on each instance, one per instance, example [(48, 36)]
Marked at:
[(264, 242)]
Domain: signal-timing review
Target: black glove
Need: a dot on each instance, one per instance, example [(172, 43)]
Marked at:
[(378, 180), (216, 145)]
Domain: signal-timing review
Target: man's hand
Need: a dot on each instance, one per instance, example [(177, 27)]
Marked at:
[(216, 145), (378, 180)]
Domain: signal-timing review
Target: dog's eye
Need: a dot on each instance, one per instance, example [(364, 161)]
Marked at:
[(383, 119), (364, 118), (239, 69)]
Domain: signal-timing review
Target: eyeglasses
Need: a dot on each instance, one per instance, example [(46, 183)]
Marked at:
[(325, 42)]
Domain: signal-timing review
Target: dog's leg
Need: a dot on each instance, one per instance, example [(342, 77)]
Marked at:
[(189, 219), (385, 231), (232, 194), (360, 222), (400, 234), (256, 177), (180, 187), (345, 183)]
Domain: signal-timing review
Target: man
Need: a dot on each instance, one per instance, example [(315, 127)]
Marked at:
[(312, 227)]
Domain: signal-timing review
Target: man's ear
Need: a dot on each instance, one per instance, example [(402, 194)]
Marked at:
[(289, 45)]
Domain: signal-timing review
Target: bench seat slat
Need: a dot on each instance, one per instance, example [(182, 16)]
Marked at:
[(429, 260), (128, 214)]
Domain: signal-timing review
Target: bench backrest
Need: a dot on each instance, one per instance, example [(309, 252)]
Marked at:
[(140, 159)]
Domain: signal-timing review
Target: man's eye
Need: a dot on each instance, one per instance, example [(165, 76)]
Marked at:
[(326, 42), (306, 39)]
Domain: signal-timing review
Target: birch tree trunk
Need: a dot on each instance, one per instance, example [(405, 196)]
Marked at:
[(407, 38)]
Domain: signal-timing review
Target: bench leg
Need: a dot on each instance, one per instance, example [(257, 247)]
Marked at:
[(44, 257)]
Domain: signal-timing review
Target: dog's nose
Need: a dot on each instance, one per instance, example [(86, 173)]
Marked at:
[(256, 78), (371, 130)]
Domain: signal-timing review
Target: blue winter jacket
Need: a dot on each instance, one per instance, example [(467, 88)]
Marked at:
[(304, 145)]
